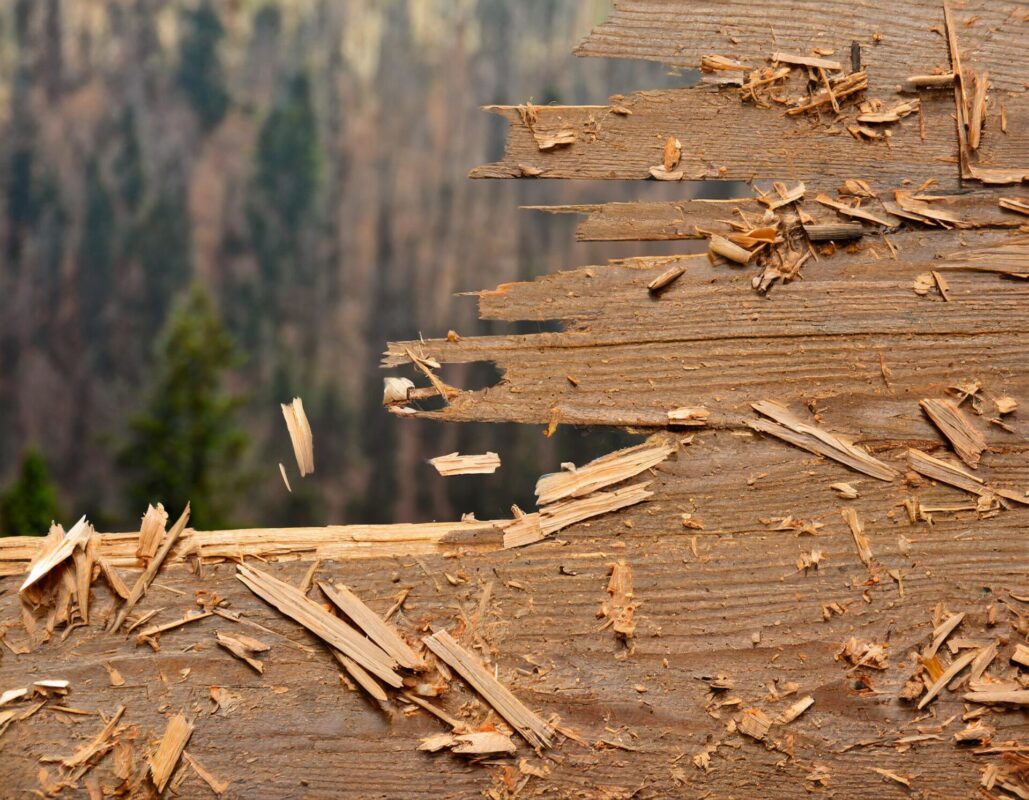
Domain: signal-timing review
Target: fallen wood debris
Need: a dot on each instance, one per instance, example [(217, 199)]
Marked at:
[(689, 416), (806, 61), (948, 674), (864, 549), (943, 471), (792, 429), (618, 611), (454, 464), (666, 278), (754, 723), (557, 516), (99, 745), (243, 647), (379, 631), (604, 471), (863, 654), (893, 776), (217, 785), (794, 710), (296, 605), (966, 440), (1015, 697), (534, 730), (164, 760), (859, 213), (940, 634), (469, 744), (942, 80), (144, 580), (300, 435), (157, 630)]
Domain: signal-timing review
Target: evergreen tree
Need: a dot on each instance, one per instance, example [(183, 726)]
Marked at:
[(30, 504), (201, 75), (185, 446)]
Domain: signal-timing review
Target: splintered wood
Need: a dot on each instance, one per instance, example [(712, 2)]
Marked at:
[(619, 609), (164, 760), (300, 435), (244, 648), (379, 631), (575, 494), (454, 464), (533, 729), (966, 440), (296, 605), (792, 429), (58, 551)]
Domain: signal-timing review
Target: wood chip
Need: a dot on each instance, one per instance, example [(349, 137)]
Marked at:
[(977, 108), (151, 531), (300, 434), (661, 174), (1005, 405), (1016, 697), (114, 676), (845, 490), (794, 710), (296, 605), (672, 154), (806, 61), (754, 723), (688, 415), (620, 608), (792, 429), (893, 776), (159, 629), (952, 671), (218, 786), (379, 631), (165, 759), (533, 729), (396, 390), (244, 648), (1014, 204), (720, 246), (1021, 655), (61, 549), (285, 477), (478, 743), (857, 531), (943, 80), (144, 580), (859, 213), (454, 464), (945, 472), (666, 278), (559, 138), (966, 440), (894, 114)]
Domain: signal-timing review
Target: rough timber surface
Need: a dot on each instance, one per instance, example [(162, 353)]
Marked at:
[(743, 568), (299, 733)]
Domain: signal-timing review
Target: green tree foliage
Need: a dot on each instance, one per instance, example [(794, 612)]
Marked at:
[(30, 504), (186, 445), (286, 179), (200, 74)]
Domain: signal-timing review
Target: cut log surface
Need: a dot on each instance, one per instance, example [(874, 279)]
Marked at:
[(796, 559)]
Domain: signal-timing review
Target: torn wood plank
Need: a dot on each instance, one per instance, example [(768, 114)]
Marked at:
[(533, 729), (294, 604), (58, 551), (374, 627), (454, 464), (792, 429), (166, 757), (696, 219), (630, 146), (661, 31), (965, 438), (604, 471), (336, 542), (300, 435), (143, 582)]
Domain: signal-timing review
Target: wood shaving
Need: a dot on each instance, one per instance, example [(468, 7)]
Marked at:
[(966, 440), (300, 435), (454, 464)]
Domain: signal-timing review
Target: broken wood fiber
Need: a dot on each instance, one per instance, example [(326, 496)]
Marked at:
[(533, 729)]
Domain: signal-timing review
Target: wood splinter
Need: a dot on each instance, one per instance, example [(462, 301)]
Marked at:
[(300, 434)]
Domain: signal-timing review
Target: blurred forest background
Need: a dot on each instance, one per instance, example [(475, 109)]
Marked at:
[(207, 208)]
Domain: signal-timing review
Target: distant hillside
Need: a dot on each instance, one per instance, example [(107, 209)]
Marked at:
[(305, 160)]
